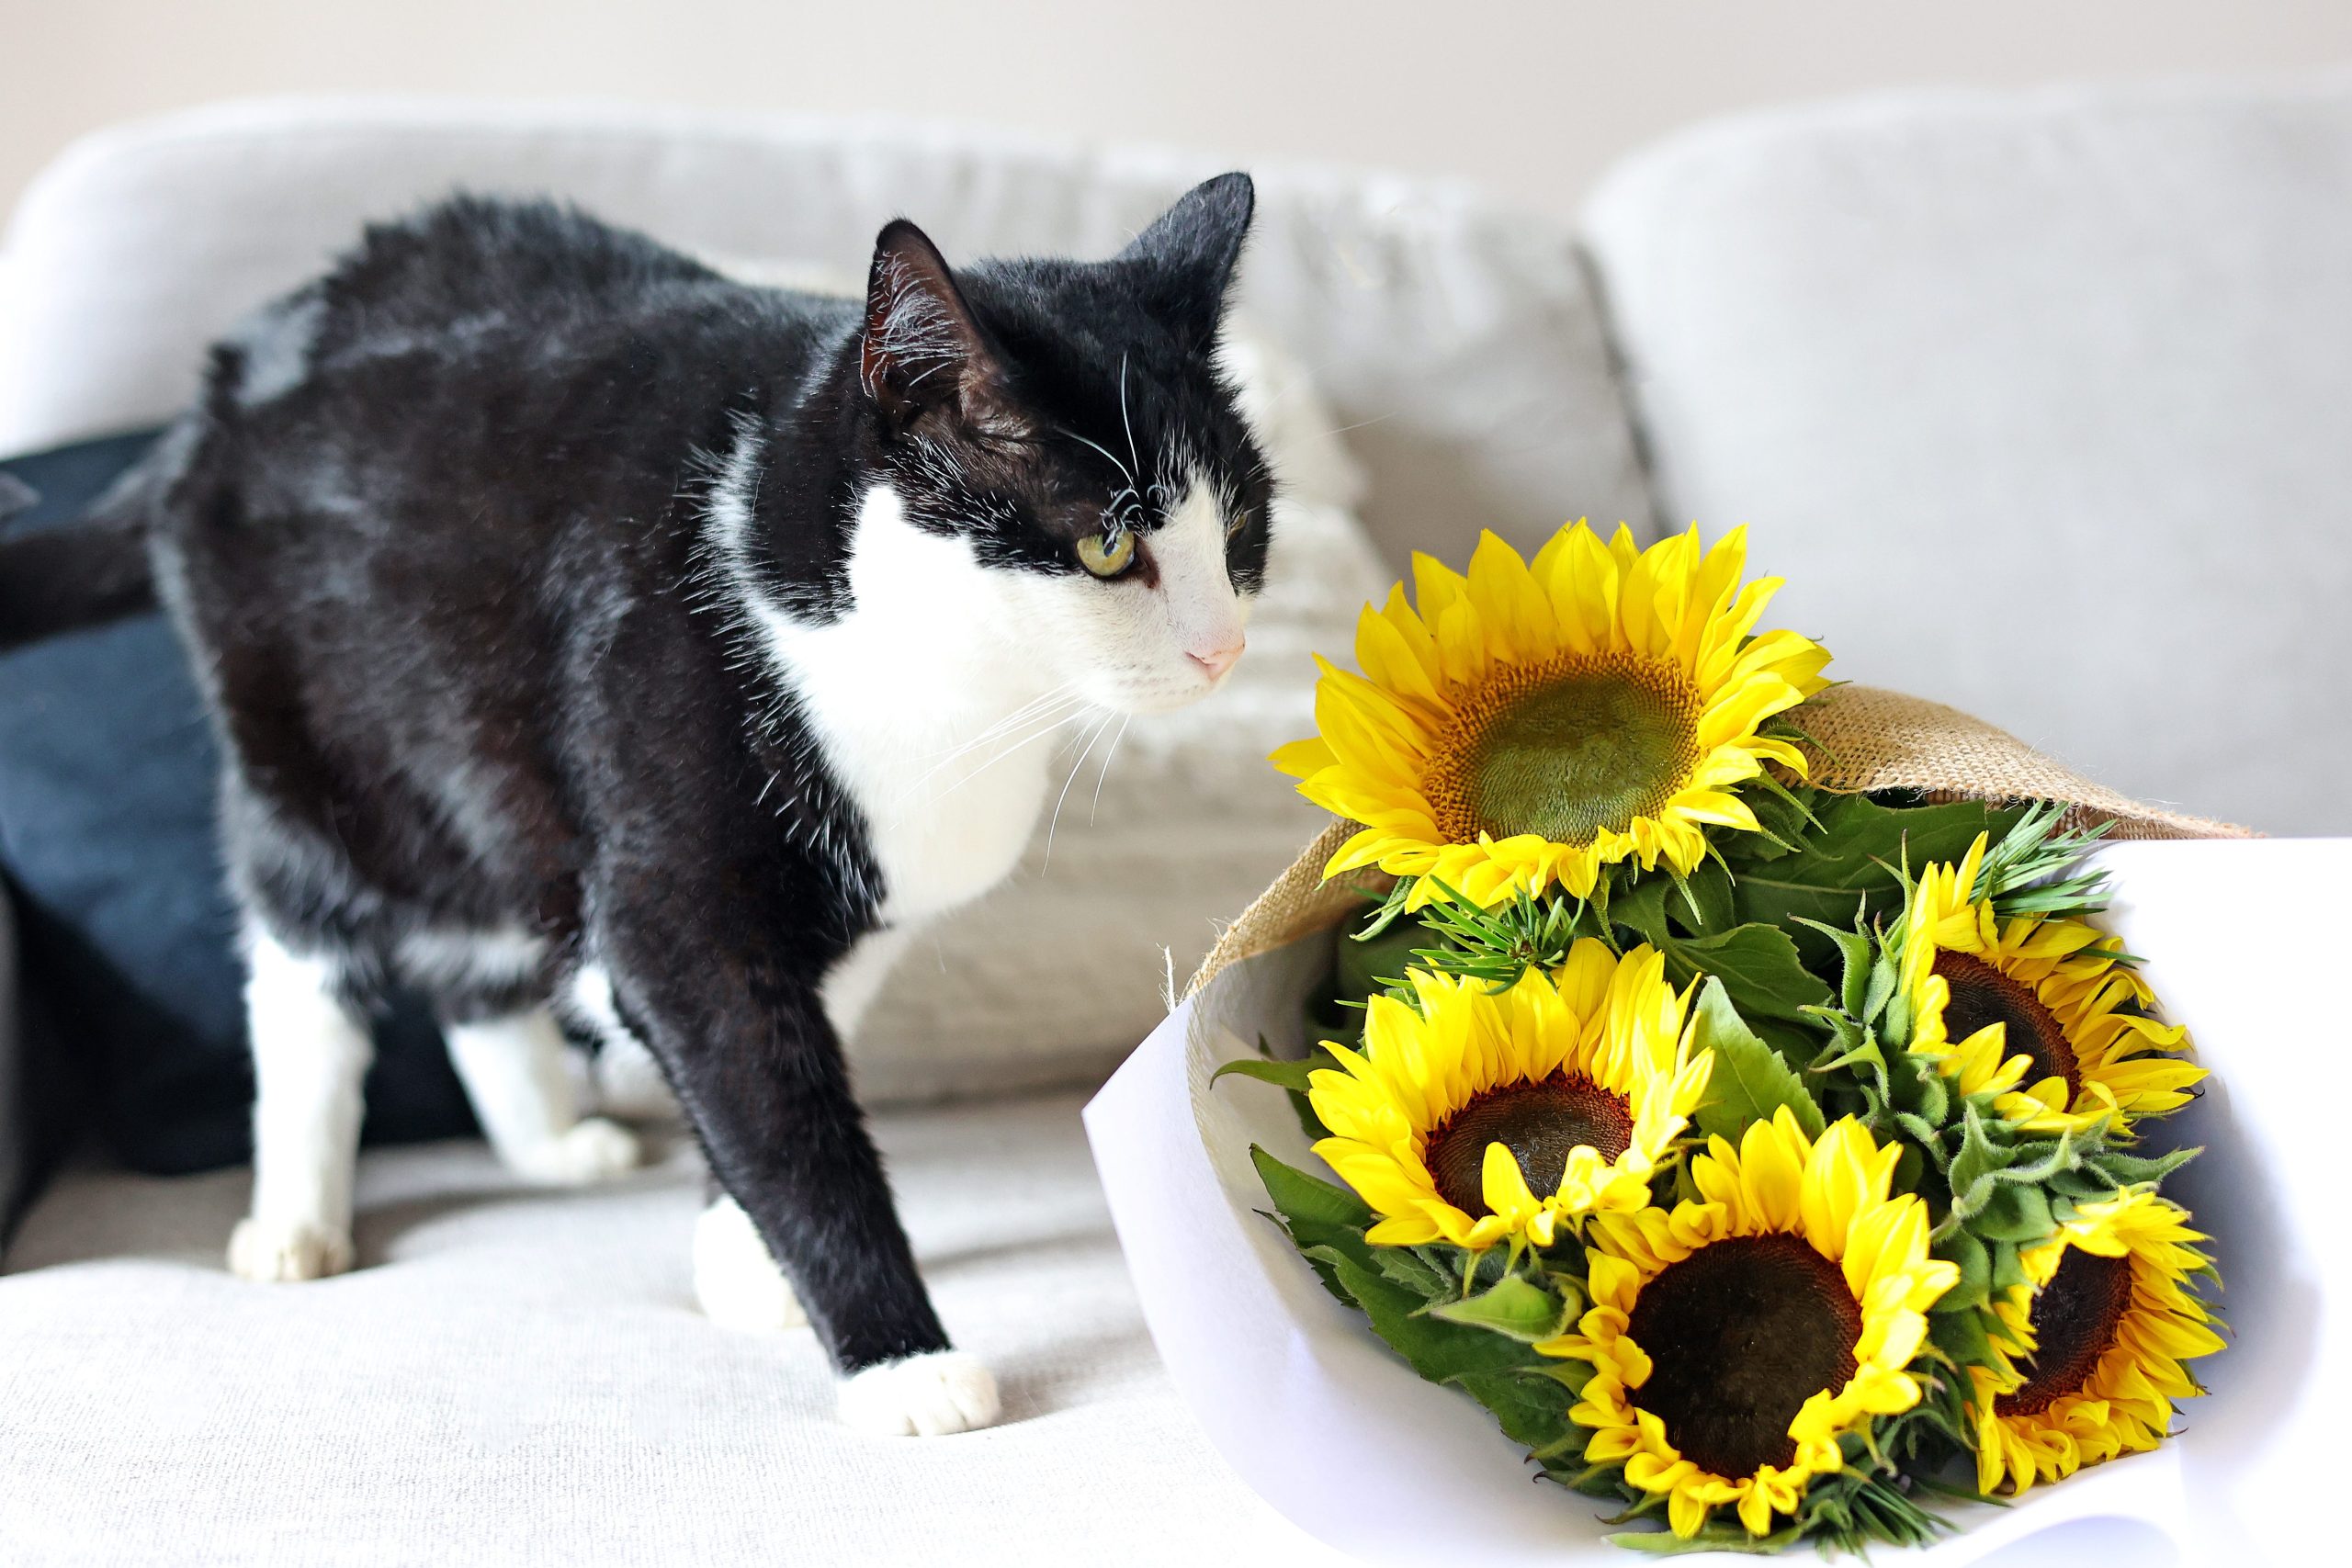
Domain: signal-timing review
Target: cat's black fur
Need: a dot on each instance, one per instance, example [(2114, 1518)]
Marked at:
[(433, 539)]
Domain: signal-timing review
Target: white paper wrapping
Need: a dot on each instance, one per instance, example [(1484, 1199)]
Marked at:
[(1334, 1430)]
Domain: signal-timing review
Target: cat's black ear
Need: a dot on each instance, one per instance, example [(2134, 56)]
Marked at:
[(922, 348), (1186, 257)]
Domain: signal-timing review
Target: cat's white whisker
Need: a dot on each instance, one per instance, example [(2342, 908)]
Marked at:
[(1105, 774), (1050, 712), (1078, 710), (1125, 418), (1053, 826), (1125, 472)]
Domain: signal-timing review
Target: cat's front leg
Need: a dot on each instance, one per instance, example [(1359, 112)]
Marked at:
[(739, 1022), (737, 1281)]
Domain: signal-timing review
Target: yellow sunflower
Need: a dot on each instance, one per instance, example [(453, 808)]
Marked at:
[(1480, 1117), (1735, 1339), (1532, 723), (2041, 1013), (2102, 1329)]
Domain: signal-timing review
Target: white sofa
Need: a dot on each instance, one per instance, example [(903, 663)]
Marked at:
[(2064, 369)]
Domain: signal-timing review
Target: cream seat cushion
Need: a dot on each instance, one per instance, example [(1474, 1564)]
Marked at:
[(519, 1379)]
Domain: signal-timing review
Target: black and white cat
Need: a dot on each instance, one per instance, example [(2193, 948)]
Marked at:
[(589, 632)]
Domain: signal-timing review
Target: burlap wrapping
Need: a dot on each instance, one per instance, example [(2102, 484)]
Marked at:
[(1867, 738)]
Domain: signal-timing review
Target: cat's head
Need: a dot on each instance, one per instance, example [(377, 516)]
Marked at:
[(1068, 422)]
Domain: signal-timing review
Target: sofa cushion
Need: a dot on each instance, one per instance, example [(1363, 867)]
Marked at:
[(519, 1376), (1457, 338), (2039, 404), (128, 935)]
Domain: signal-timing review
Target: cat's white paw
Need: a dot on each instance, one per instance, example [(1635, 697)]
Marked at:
[(736, 1280), (588, 1151), (279, 1252), (922, 1396)]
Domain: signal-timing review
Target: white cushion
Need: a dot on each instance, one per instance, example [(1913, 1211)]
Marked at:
[(520, 1378), (2038, 402)]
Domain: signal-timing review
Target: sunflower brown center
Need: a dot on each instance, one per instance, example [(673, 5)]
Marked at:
[(2075, 1320), (1981, 994), (1740, 1334), (1539, 1123), (1565, 749)]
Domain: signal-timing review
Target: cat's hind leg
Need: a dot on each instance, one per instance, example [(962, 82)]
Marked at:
[(489, 983), (310, 1052), (513, 1069)]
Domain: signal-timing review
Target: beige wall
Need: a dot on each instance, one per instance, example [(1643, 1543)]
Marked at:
[(1529, 98)]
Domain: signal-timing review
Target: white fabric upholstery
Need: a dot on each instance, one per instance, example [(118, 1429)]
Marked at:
[(2040, 404), (515, 1378)]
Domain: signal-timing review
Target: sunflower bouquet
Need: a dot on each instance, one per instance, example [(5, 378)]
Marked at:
[(1774, 1160)]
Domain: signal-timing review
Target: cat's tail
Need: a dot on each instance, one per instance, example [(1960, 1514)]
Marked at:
[(88, 572)]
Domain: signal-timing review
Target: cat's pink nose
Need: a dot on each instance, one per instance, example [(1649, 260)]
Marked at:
[(1216, 661)]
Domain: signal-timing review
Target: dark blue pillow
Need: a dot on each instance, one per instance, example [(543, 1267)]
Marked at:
[(129, 965)]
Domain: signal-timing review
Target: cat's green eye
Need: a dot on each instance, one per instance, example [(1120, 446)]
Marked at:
[(1107, 554)]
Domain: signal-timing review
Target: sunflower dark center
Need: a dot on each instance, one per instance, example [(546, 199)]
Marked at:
[(1981, 994), (2075, 1320), (1538, 1123), (1565, 749), (1740, 1334)]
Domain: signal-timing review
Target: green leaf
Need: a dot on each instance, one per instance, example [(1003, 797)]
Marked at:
[(1291, 1076), (1847, 865), (1960, 1335), (1759, 969), (1973, 1167), (1704, 899), (1407, 1267), (2016, 1212), (2115, 1168), (1386, 908), (1306, 1199), (1322, 1260), (1855, 953), (1438, 1350), (1976, 1261), (1712, 1538), (1531, 1409), (1367, 961), (1915, 1128), (1513, 1308), (1641, 910), (1919, 1089), (1750, 1081), (2008, 1268), (1781, 818)]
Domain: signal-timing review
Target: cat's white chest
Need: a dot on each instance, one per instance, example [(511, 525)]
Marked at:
[(926, 710), (948, 811)]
